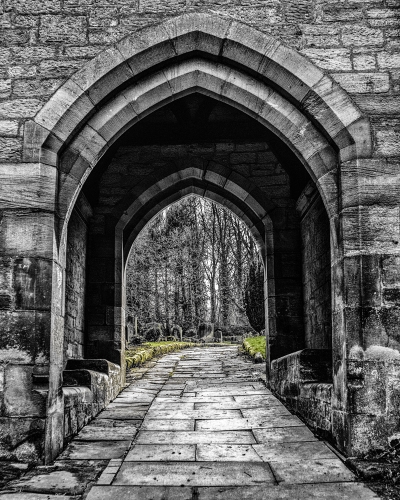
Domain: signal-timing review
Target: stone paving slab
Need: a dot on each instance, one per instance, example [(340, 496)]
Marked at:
[(178, 406), (199, 399), (284, 452), (284, 434), (269, 412), (258, 400), (234, 392), (188, 414), (237, 387), (95, 450), (63, 478), (235, 424), (139, 493), (174, 386), (134, 389), (162, 453), (312, 471), (199, 375), (195, 437), (135, 397), (124, 413), (234, 405), (35, 496), (194, 474), (132, 405), (328, 491), (109, 422), (167, 425), (226, 453), (170, 392), (98, 433)]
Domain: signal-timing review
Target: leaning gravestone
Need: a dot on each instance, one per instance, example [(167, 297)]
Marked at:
[(218, 336), (190, 335), (205, 332), (176, 331), (153, 332)]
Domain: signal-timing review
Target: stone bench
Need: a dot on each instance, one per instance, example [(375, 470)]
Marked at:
[(303, 380), (88, 386)]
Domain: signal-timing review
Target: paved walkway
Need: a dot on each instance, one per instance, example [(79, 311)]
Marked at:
[(198, 425)]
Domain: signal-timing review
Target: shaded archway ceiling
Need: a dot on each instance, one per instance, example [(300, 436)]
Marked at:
[(197, 118)]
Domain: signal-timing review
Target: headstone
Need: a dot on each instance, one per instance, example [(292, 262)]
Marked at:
[(176, 331), (218, 336), (153, 331), (205, 331)]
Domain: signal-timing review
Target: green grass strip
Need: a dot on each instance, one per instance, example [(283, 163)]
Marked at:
[(140, 354), (253, 345)]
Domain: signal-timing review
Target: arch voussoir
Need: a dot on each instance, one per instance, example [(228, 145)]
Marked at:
[(216, 80), (234, 42)]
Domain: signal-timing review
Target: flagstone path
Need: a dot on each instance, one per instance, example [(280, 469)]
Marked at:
[(197, 425)]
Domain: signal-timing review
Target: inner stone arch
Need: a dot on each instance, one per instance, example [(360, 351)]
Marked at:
[(253, 173)]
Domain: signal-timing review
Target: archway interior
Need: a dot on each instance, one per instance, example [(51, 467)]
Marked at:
[(194, 270), (198, 145)]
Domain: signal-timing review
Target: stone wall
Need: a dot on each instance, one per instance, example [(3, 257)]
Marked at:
[(88, 387), (75, 287), (315, 233), (41, 46), (374, 394), (303, 380)]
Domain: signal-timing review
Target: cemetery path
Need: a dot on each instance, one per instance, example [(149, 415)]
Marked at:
[(198, 424)]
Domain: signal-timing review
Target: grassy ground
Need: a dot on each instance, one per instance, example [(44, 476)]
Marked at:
[(253, 345), (136, 356)]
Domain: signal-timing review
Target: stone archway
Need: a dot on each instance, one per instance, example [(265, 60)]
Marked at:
[(220, 58)]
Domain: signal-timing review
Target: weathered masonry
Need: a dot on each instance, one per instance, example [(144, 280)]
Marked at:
[(287, 113)]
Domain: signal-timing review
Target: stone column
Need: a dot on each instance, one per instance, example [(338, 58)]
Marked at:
[(366, 314), (106, 293), (31, 340)]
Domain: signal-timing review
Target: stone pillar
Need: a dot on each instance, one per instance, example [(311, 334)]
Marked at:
[(366, 355), (106, 297), (31, 311), (176, 331)]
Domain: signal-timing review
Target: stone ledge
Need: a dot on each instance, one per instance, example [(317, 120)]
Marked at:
[(303, 380), (88, 387), (97, 365)]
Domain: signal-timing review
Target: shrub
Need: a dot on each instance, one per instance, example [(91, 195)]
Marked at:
[(254, 345)]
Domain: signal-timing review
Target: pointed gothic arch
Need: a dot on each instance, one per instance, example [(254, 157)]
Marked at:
[(202, 53)]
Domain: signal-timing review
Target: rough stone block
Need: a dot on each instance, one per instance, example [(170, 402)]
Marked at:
[(59, 29), (20, 108), (37, 88), (388, 142), (9, 128), (27, 233), (10, 149), (331, 59), (21, 439), (5, 87), (388, 60), (19, 398), (362, 83), (58, 68), (364, 62), (362, 36), (27, 186), (10, 37)]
